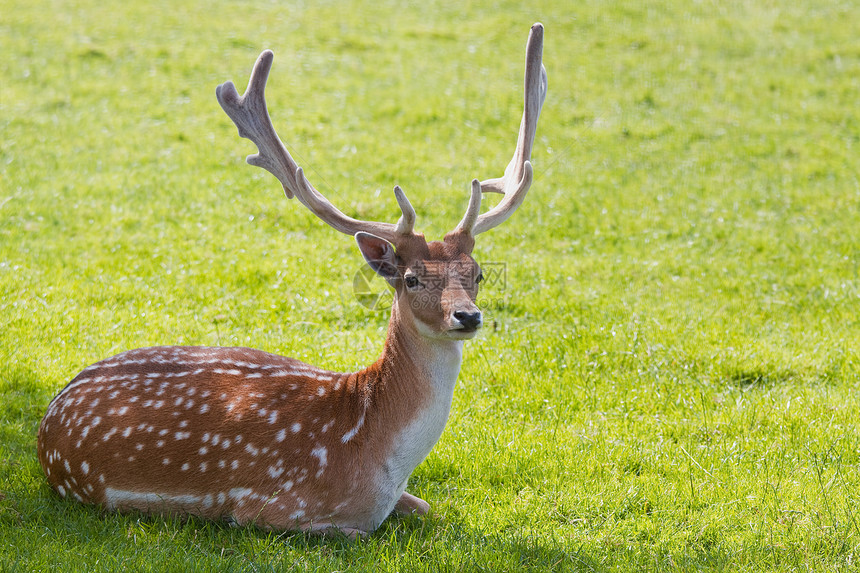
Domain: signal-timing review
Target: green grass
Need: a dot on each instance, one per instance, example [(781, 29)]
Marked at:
[(670, 376)]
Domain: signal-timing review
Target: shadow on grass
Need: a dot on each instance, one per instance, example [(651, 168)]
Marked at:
[(96, 538), (42, 530)]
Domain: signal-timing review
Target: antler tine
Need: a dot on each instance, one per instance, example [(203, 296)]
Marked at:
[(474, 208), (406, 223), (251, 116), (518, 174)]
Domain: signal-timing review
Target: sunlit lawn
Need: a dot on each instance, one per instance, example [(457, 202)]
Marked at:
[(669, 375)]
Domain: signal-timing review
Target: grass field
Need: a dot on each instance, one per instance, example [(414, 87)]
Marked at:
[(670, 377)]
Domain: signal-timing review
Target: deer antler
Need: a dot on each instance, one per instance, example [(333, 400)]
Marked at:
[(518, 174), (251, 116)]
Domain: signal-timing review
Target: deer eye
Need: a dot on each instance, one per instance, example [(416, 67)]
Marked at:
[(479, 278), (412, 281)]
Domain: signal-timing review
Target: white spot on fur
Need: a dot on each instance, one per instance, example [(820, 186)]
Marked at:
[(117, 497), (321, 453), (351, 434)]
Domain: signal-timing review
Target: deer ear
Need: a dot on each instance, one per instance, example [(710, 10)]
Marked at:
[(379, 254)]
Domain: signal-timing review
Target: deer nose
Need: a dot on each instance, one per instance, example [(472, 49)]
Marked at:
[(469, 320)]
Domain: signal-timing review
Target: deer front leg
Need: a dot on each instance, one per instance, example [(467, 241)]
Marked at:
[(408, 504)]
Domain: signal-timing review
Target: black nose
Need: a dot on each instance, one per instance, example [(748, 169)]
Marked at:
[(469, 320)]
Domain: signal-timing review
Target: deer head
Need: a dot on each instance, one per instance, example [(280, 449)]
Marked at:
[(435, 283)]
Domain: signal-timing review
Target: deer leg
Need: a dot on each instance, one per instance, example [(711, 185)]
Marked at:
[(408, 504)]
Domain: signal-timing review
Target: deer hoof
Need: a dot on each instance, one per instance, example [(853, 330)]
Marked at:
[(408, 504)]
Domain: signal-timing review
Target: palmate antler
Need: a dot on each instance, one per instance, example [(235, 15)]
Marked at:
[(518, 175), (251, 116)]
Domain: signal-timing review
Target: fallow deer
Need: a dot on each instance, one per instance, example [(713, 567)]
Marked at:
[(247, 436)]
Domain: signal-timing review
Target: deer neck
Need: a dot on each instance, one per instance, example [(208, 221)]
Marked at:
[(412, 359), (410, 393)]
